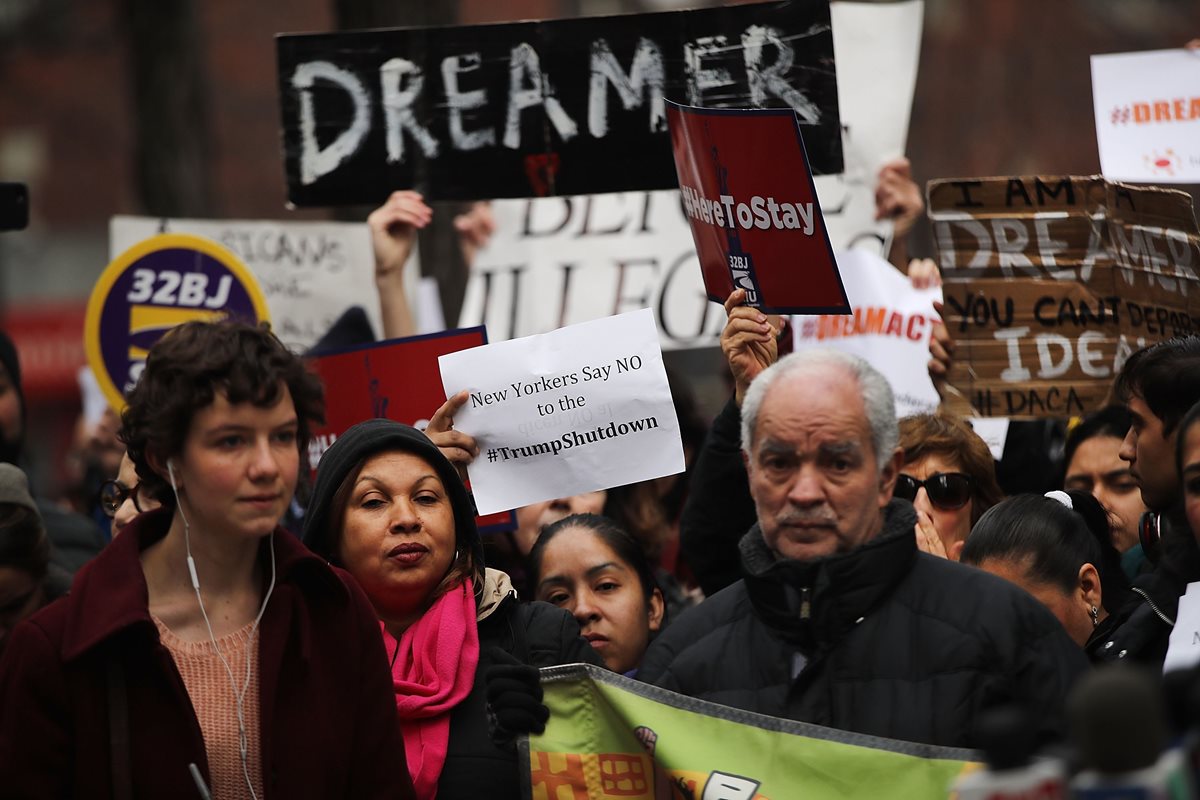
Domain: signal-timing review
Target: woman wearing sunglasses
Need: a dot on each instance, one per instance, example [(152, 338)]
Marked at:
[(122, 499), (949, 476)]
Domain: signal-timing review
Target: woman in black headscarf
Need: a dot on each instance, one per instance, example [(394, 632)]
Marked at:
[(390, 509)]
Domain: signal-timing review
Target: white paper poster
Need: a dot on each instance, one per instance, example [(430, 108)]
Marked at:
[(1183, 648), (564, 260), (560, 261), (890, 327), (310, 272), (874, 105), (993, 431), (1148, 115), (579, 409)]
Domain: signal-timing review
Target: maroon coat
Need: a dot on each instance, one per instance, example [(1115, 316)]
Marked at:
[(328, 714)]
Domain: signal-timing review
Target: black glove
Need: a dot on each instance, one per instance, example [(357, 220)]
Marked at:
[(514, 698)]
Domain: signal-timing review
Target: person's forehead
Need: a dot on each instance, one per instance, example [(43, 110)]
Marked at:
[(825, 403), (1191, 445), (932, 464), (1140, 409), (1100, 452), (127, 471)]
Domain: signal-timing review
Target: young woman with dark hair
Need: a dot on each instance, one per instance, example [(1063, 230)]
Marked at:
[(1187, 461), (1093, 464), (205, 652), (590, 566), (1058, 548)]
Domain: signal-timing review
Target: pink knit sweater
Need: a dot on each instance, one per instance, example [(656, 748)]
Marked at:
[(214, 702)]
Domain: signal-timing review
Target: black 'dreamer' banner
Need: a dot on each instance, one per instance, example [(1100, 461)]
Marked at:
[(540, 108)]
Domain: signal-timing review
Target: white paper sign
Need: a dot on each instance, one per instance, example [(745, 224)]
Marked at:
[(310, 272), (993, 431), (1148, 115), (874, 106), (565, 260), (1183, 648), (890, 327), (579, 409)]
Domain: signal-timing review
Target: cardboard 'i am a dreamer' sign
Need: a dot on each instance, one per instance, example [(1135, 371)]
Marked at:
[(1051, 283)]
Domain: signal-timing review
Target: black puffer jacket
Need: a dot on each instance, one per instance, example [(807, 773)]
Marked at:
[(883, 640), (536, 633)]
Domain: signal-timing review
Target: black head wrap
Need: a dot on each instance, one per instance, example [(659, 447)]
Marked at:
[(359, 443)]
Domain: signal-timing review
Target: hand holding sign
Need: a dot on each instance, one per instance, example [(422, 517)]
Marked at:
[(459, 448), (941, 352), (897, 196), (394, 227), (749, 342)]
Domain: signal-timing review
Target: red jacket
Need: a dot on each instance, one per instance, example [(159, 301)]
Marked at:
[(328, 715)]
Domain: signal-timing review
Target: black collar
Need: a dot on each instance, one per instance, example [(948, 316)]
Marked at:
[(812, 604)]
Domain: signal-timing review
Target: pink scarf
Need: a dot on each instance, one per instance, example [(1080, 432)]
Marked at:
[(434, 672)]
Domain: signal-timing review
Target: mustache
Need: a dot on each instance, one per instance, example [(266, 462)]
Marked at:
[(794, 516)]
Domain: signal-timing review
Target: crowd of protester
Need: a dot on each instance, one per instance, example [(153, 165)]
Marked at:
[(819, 560)]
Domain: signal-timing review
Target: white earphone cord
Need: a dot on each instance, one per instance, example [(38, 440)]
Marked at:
[(238, 696)]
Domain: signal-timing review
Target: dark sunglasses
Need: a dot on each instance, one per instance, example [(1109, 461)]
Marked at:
[(946, 490), (113, 495)]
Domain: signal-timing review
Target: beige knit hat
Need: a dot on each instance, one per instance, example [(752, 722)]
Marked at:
[(14, 487)]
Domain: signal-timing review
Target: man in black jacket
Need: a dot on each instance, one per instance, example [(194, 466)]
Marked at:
[(839, 620), (1158, 385)]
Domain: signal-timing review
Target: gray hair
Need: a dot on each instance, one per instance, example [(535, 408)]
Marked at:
[(876, 394)]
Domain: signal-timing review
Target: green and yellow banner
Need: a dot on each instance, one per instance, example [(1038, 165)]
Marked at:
[(612, 737)]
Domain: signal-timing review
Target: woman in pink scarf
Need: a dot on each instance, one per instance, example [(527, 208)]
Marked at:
[(389, 508)]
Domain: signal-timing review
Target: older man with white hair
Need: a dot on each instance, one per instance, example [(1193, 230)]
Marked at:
[(838, 619)]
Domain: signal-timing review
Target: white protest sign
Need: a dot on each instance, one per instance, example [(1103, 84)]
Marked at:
[(310, 272), (579, 409), (564, 260), (874, 105), (993, 431), (1183, 648), (1147, 109), (890, 327)]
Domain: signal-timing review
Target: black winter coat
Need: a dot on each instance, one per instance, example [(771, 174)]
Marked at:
[(1140, 632), (883, 640), (538, 634)]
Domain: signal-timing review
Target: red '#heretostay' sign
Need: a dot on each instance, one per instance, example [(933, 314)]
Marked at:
[(748, 193)]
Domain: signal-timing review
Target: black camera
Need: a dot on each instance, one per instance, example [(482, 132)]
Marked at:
[(14, 206)]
